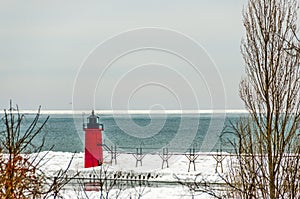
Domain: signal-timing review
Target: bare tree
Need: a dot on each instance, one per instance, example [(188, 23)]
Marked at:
[(21, 175), (267, 163), (201, 184), (108, 183)]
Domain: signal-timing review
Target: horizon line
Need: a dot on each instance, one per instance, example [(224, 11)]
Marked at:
[(132, 111)]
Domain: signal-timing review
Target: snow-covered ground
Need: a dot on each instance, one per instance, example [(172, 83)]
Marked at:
[(151, 166)]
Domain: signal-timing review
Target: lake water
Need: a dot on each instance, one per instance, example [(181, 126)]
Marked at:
[(176, 132)]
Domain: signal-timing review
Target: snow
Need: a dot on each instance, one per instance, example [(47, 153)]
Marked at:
[(126, 163)]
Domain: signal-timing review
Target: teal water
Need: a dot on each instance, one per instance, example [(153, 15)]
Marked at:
[(64, 132)]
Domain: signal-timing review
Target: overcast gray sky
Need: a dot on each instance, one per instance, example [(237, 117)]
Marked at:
[(43, 44)]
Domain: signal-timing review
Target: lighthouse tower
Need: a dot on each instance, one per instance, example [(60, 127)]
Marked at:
[(93, 154)]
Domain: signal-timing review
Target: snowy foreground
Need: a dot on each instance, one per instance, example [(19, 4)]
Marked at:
[(166, 180)]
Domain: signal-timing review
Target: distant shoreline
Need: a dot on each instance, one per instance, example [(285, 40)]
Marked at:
[(110, 112)]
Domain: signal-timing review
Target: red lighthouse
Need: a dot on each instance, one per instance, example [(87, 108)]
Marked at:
[(93, 154)]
